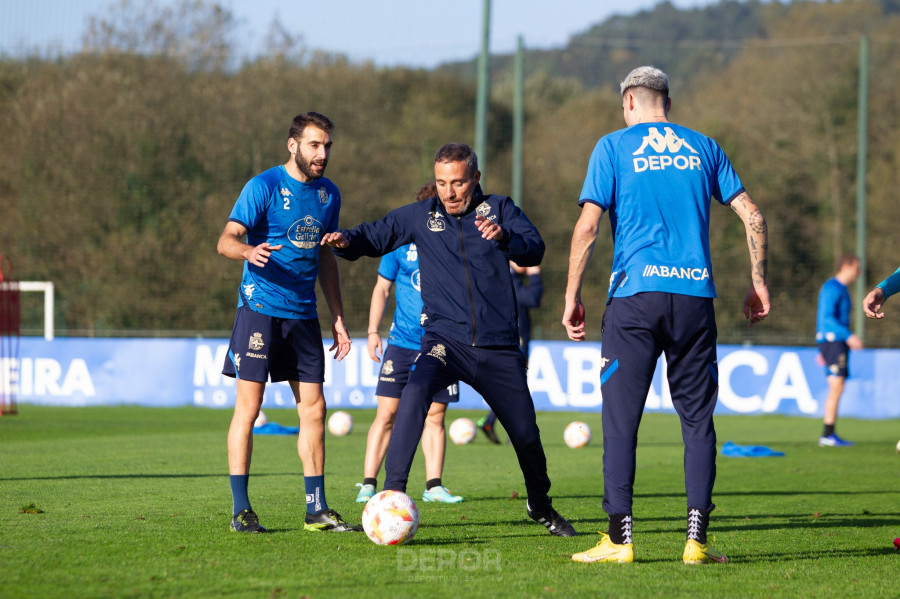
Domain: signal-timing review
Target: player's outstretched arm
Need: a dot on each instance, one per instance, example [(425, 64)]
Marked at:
[(330, 282), (756, 302), (874, 302), (583, 239), (231, 245), (335, 240)]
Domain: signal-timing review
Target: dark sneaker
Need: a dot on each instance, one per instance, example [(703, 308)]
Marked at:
[(329, 520), (488, 430), (246, 521), (556, 524)]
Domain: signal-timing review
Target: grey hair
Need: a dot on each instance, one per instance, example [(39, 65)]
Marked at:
[(646, 77)]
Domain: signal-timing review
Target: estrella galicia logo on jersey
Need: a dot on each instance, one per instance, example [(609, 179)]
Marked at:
[(388, 367), (323, 195), (669, 143), (305, 233), (483, 209), (256, 342), (435, 223), (439, 353), (676, 272), (248, 290), (415, 281)]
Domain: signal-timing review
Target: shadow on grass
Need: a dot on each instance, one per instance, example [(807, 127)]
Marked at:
[(134, 476)]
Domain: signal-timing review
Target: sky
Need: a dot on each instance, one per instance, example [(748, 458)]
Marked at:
[(413, 33)]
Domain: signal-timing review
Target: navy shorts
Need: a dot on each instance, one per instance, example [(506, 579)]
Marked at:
[(835, 354), (396, 364), (278, 349)]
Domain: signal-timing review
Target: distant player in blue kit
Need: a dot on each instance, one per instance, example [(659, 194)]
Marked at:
[(835, 341), (465, 240), (284, 212), (656, 179), (400, 269)]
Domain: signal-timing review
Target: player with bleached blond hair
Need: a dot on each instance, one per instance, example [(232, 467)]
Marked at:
[(656, 180)]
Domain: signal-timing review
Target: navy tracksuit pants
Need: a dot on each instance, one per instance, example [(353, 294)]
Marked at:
[(636, 329), (498, 375)]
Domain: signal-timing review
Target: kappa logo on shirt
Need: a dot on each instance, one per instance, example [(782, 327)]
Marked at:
[(670, 143), (286, 193), (248, 290), (323, 195)]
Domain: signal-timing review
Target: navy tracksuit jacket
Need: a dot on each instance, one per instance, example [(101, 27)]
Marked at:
[(470, 319)]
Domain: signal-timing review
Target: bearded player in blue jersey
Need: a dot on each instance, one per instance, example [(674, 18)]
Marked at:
[(400, 269), (284, 212), (465, 240), (656, 180)]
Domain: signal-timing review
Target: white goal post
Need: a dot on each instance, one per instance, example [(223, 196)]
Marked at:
[(42, 286)]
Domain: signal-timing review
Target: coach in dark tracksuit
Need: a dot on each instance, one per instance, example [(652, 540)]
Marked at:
[(465, 241)]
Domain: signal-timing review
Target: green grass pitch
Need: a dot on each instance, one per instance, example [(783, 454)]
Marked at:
[(135, 502)]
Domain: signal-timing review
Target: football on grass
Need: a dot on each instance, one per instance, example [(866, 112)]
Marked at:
[(340, 423), (261, 420), (577, 434), (390, 518), (462, 431)]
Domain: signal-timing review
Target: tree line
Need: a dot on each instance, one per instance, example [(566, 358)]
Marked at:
[(120, 164)]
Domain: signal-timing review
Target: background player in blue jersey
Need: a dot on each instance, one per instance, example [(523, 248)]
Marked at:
[(529, 291), (401, 268), (656, 179), (465, 240), (835, 341), (283, 213)]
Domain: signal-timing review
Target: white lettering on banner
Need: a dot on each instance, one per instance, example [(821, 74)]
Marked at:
[(583, 365), (727, 365), (788, 382), (208, 368), (44, 376), (542, 376), (9, 376)]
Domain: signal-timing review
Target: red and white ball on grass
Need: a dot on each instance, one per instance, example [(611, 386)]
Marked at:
[(340, 423), (577, 434), (390, 518), (462, 431), (261, 420)]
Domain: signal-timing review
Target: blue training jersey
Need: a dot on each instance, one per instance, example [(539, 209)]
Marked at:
[(657, 180), (277, 208), (402, 267), (833, 314)]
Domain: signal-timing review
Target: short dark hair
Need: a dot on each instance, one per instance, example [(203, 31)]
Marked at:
[(302, 121), (845, 259), (429, 190), (456, 152)]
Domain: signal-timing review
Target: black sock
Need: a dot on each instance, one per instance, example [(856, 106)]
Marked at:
[(697, 522), (371, 481), (434, 482), (620, 528), (829, 430)]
